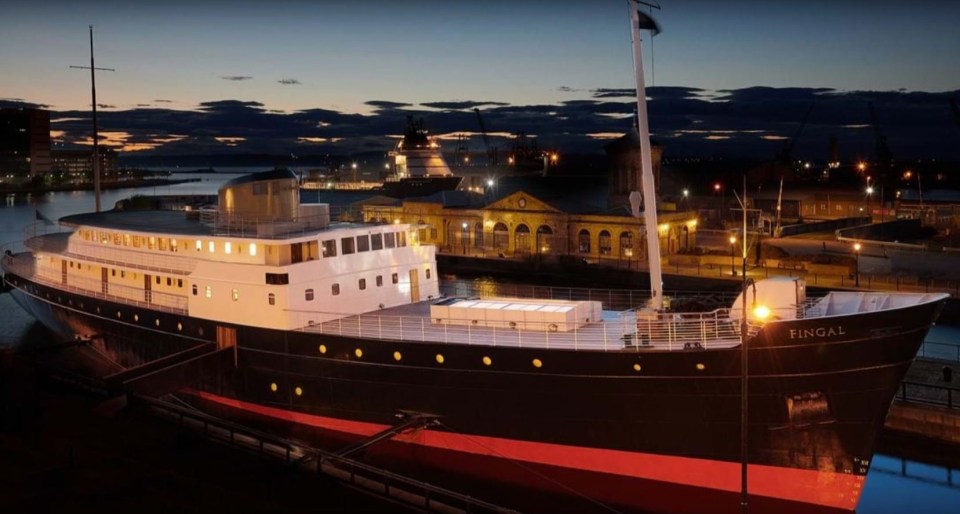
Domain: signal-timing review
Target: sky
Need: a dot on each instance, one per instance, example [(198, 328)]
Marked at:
[(212, 76)]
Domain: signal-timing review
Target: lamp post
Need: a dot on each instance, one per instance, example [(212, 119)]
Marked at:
[(869, 197), (464, 235), (856, 251), (733, 265)]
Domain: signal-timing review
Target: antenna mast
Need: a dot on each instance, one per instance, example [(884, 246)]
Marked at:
[(638, 19), (96, 135)]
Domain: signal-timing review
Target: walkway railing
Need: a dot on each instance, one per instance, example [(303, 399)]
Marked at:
[(929, 394), (112, 255)]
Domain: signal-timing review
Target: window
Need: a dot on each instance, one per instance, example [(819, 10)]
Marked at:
[(626, 244), (395, 278), (363, 284), (126, 240), (433, 235), (169, 281), (329, 248), (308, 295), (235, 295), (521, 239), (478, 235), (259, 188), (208, 292), (278, 279), (152, 243), (347, 245), (379, 280), (179, 282), (173, 246), (335, 289), (272, 299), (583, 241), (253, 249), (363, 243), (136, 242), (376, 242), (228, 248), (163, 244), (544, 239), (501, 236), (194, 290), (603, 244), (390, 240), (428, 273), (113, 273), (212, 246), (123, 274), (199, 245)]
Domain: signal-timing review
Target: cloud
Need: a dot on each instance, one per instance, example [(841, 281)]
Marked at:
[(106, 106), (459, 105), (568, 89), (236, 78), (289, 82), (18, 103), (162, 101), (386, 104), (613, 93)]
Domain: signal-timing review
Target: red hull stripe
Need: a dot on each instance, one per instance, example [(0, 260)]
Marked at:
[(824, 488)]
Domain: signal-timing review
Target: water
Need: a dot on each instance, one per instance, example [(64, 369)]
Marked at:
[(893, 485)]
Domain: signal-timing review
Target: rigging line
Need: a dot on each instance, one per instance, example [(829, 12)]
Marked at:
[(531, 470)]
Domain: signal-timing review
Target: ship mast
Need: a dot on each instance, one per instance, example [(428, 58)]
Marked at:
[(96, 135), (638, 20)]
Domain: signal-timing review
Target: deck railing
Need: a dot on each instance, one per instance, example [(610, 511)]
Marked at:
[(111, 255)]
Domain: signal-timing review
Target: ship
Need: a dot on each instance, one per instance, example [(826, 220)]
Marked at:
[(339, 334), (419, 166)]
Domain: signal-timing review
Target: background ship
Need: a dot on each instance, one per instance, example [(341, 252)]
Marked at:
[(420, 169)]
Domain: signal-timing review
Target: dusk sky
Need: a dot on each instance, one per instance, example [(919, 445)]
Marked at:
[(341, 75)]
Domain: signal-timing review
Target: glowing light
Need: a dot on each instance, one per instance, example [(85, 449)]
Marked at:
[(733, 240), (487, 361), (686, 193), (869, 190), (716, 187), (856, 247), (761, 312), (537, 363), (253, 249), (490, 182)]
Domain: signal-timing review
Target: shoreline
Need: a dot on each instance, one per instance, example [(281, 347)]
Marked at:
[(130, 184)]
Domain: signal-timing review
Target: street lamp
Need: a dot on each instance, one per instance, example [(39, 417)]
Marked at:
[(463, 236), (733, 264), (856, 250)]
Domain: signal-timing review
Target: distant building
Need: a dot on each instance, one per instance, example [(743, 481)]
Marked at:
[(78, 164), (625, 168), (24, 142)]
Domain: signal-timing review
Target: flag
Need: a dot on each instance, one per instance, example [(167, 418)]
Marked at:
[(41, 217), (648, 23)]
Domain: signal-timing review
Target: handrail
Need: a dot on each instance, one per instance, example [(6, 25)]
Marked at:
[(930, 394), (112, 255)]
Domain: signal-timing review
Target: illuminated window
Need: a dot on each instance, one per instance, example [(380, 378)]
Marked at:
[(173, 246), (335, 289), (329, 248), (227, 247), (199, 245), (402, 237), (209, 292), (363, 284), (212, 246), (272, 299), (235, 295), (308, 295), (152, 243), (253, 249), (126, 239)]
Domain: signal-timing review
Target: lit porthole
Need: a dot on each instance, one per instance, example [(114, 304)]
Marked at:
[(397, 356), (156, 322), (298, 391), (636, 367), (537, 363), (179, 327), (119, 315), (322, 348), (200, 331), (487, 361), (273, 386), (98, 310), (700, 366), (358, 352), (439, 358)]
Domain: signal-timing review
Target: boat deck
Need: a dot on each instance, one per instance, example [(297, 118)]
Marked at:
[(616, 331)]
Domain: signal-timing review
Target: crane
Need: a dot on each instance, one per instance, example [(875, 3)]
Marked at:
[(491, 150)]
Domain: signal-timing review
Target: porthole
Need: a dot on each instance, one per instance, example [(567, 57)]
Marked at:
[(439, 358), (119, 315), (636, 367), (98, 310), (298, 391), (487, 361), (136, 317), (179, 327), (273, 386), (358, 352), (700, 366), (397, 356), (200, 331), (537, 363), (322, 348), (156, 322)]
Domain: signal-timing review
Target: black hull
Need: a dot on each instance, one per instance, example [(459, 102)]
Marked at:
[(817, 404)]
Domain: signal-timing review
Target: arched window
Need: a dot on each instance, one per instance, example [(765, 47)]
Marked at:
[(478, 235), (501, 236), (603, 244), (522, 239), (583, 241), (544, 239), (626, 245)]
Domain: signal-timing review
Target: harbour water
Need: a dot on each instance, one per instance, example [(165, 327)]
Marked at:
[(894, 485)]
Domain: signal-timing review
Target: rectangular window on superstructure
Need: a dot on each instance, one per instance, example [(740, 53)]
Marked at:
[(277, 279), (395, 278), (158, 280), (379, 280), (212, 246), (235, 294), (428, 273), (363, 284), (113, 272), (433, 235), (272, 299), (117, 239), (376, 241), (347, 245), (402, 237), (227, 247), (308, 295), (329, 248), (126, 239), (194, 290), (152, 243), (335, 289), (137, 241), (163, 244), (173, 246), (253, 249), (199, 245), (363, 243), (208, 292), (170, 281), (390, 239)]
